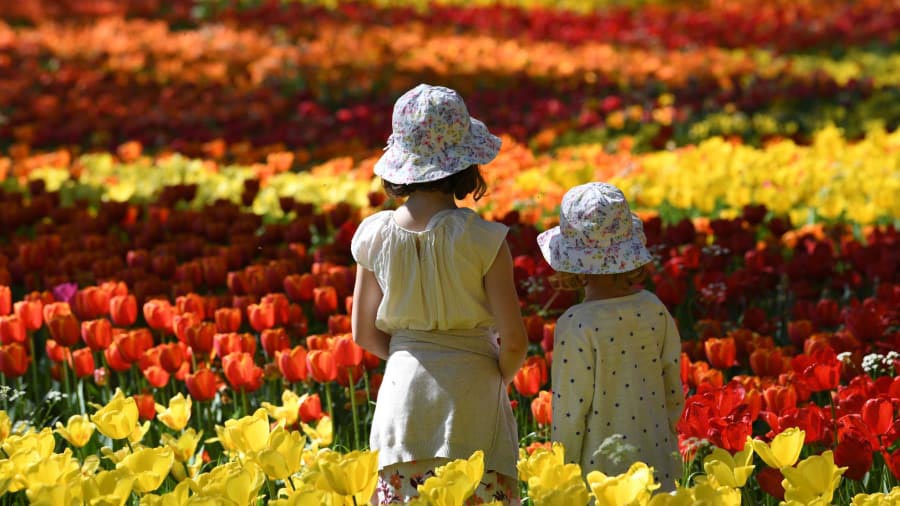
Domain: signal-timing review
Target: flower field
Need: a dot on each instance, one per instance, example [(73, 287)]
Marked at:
[(180, 181)]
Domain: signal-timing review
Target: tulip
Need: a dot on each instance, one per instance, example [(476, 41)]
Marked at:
[(202, 384), (123, 310), (200, 337), (182, 322), (231, 483), (531, 376), (767, 362), (191, 303), (322, 434), (261, 316), (454, 482), (156, 376), (322, 366), (558, 486), (536, 464), (878, 413), (150, 466), (274, 340), (97, 334), (814, 479), (6, 300), (249, 434), (14, 360), (108, 487), (281, 457), (633, 486), (779, 399), (12, 329), (286, 414), (77, 431), (730, 471), (241, 372), (354, 474), (31, 313), (292, 364), (82, 362), (91, 303), (54, 309), (177, 414), (171, 356), (542, 408), (118, 417), (65, 329), (721, 353), (146, 406), (324, 301), (299, 287), (339, 324), (159, 314), (228, 319), (784, 449), (131, 345), (55, 352), (55, 468), (185, 445), (346, 352), (310, 409), (855, 452), (226, 344)]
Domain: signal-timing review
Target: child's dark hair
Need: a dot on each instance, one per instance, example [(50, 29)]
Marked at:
[(573, 282), (462, 183)]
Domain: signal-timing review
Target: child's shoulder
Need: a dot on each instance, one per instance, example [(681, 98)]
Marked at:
[(602, 310)]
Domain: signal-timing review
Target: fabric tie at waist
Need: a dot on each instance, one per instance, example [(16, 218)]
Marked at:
[(477, 341)]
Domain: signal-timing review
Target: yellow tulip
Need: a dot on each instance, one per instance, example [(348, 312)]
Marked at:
[(472, 468), (5, 425), (354, 474), (537, 462), (56, 494), (51, 470), (306, 494), (712, 493), (784, 449), (77, 431), (892, 498), (177, 497), (680, 497), (185, 445), (231, 483), (322, 434), (730, 471), (116, 456), (558, 485), (814, 478), (177, 414), (41, 442), (282, 455), (118, 418), (250, 433), (7, 473), (150, 467), (288, 413), (108, 487), (450, 489), (632, 487), (138, 433)]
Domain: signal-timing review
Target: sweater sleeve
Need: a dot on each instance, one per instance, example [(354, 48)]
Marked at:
[(362, 244), (670, 357), (573, 387)]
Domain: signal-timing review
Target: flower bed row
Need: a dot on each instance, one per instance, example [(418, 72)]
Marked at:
[(116, 80)]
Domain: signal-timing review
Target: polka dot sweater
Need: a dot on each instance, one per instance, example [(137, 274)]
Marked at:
[(616, 371)]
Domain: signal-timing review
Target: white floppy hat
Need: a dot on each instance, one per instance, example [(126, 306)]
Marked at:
[(433, 137), (597, 233)]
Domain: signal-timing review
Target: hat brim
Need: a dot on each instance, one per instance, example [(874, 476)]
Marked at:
[(565, 256), (400, 166)]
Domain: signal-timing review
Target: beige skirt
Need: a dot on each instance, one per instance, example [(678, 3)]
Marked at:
[(443, 396)]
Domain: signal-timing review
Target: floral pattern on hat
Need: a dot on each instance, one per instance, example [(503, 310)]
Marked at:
[(597, 233), (433, 137)]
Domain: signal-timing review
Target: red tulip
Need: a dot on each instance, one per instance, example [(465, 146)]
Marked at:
[(12, 329), (91, 303), (14, 360), (82, 362), (346, 352), (97, 334), (310, 408), (274, 340), (146, 406), (182, 322), (299, 287), (721, 353), (123, 310), (767, 362), (200, 337), (5, 300), (825, 371), (281, 305), (202, 384), (55, 352), (171, 356), (156, 376), (338, 324), (228, 319), (319, 342), (31, 313), (324, 301), (534, 325), (322, 366), (65, 329), (770, 482), (827, 314), (531, 376), (159, 314), (261, 316), (296, 323), (292, 364), (227, 343), (241, 372), (780, 398), (542, 408), (799, 330), (114, 358), (191, 303), (370, 360), (854, 452), (130, 346), (547, 339), (893, 461), (878, 413)]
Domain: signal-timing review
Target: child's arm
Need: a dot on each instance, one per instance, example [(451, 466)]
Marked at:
[(367, 297), (671, 361), (504, 302), (572, 377)]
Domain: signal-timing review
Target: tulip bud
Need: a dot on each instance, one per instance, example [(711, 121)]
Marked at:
[(123, 310), (97, 334)]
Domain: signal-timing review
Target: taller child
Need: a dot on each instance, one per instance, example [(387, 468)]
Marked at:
[(434, 291)]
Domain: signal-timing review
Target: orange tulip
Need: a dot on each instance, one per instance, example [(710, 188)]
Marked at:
[(780, 398), (31, 312), (55, 309), (292, 364), (182, 322), (228, 319), (346, 352), (321, 365), (241, 372), (14, 360), (310, 408), (542, 408), (191, 303), (123, 310), (768, 362), (159, 314), (338, 324), (319, 342), (97, 334), (55, 352), (82, 362), (281, 306), (91, 303), (324, 301), (146, 406), (297, 323), (274, 340), (299, 287), (531, 376), (114, 358), (202, 384), (261, 316), (132, 345), (171, 356), (156, 376), (200, 337), (721, 353), (65, 329), (5, 300), (12, 329)]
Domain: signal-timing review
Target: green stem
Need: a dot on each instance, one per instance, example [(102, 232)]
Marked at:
[(244, 403), (34, 366), (328, 400), (353, 409), (67, 389)]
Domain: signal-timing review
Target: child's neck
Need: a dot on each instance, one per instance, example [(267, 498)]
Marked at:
[(422, 203), (607, 286)]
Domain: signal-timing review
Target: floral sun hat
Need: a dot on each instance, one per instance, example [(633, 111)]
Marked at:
[(597, 233), (433, 137)]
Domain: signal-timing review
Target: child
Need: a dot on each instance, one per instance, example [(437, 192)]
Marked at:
[(616, 355), (433, 282)]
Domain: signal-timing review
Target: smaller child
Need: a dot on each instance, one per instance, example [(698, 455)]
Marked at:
[(616, 355)]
